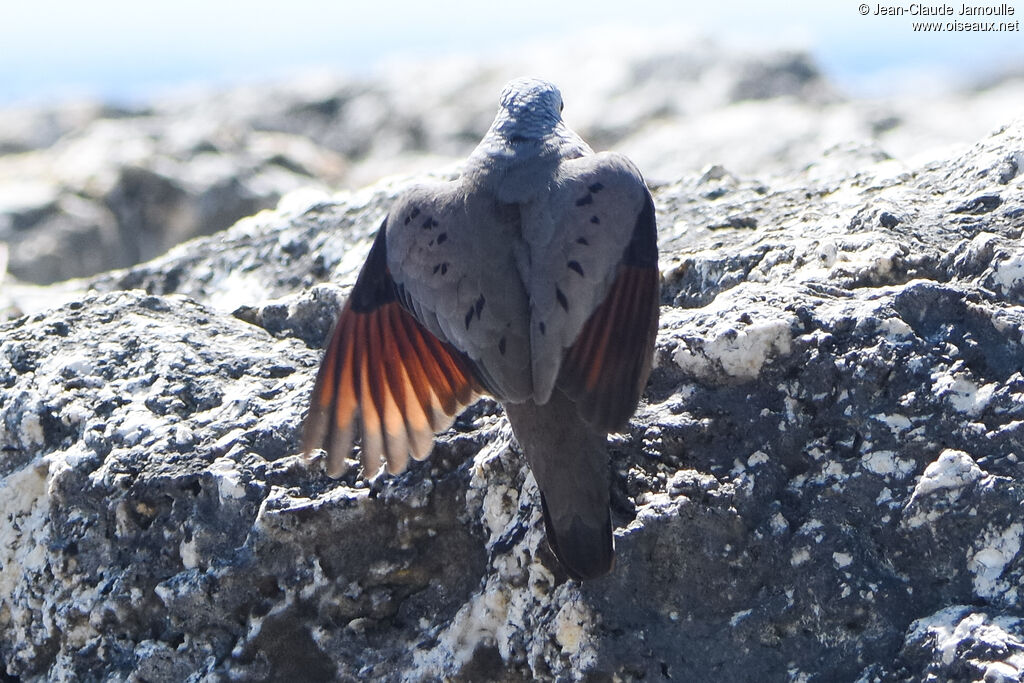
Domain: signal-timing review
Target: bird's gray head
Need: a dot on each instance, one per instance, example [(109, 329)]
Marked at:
[(531, 108), (526, 141)]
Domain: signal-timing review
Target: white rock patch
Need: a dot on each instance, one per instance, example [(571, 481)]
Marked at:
[(951, 627), (946, 477), (1007, 273), (887, 463), (952, 471), (961, 392), (739, 351), (229, 484), (23, 516), (573, 626), (997, 549)]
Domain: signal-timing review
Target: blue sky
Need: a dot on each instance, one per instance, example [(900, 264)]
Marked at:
[(129, 49)]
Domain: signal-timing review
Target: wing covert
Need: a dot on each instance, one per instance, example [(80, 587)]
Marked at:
[(584, 303), (606, 368), (453, 253)]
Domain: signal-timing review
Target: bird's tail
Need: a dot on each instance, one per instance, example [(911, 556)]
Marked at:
[(569, 459), (586, 550)]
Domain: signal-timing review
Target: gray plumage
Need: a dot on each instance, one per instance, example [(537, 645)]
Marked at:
[(536, 271)]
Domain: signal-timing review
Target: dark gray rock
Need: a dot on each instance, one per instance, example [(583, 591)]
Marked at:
[(824, 481)]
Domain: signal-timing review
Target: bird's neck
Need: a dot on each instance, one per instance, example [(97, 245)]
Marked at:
[(504, 153)]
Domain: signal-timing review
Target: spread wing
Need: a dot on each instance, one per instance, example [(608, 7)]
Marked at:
[(595, 290), (386, 371)]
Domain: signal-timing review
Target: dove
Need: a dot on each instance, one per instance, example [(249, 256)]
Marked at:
[(533, 278)]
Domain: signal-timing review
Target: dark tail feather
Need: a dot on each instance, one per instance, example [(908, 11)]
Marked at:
[(569, 460), (585, 550)]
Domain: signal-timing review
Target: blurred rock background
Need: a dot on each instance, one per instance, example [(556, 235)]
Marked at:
[(86, 186)]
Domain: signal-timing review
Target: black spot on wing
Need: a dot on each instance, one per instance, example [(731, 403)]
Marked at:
[(575, 266), (442, 238), (595, 220), (585, 199), (501, 346), (429, 223), (415, 212), (475, 310), (583, 241), (562, 301), (543, 328), (588, 198)]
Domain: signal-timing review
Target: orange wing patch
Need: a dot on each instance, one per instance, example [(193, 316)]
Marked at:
[(401, 384), (606, 368)]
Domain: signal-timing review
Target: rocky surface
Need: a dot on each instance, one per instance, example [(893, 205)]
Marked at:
[(823, 482)]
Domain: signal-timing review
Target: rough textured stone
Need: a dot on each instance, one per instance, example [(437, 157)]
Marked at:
[(822, 483)]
